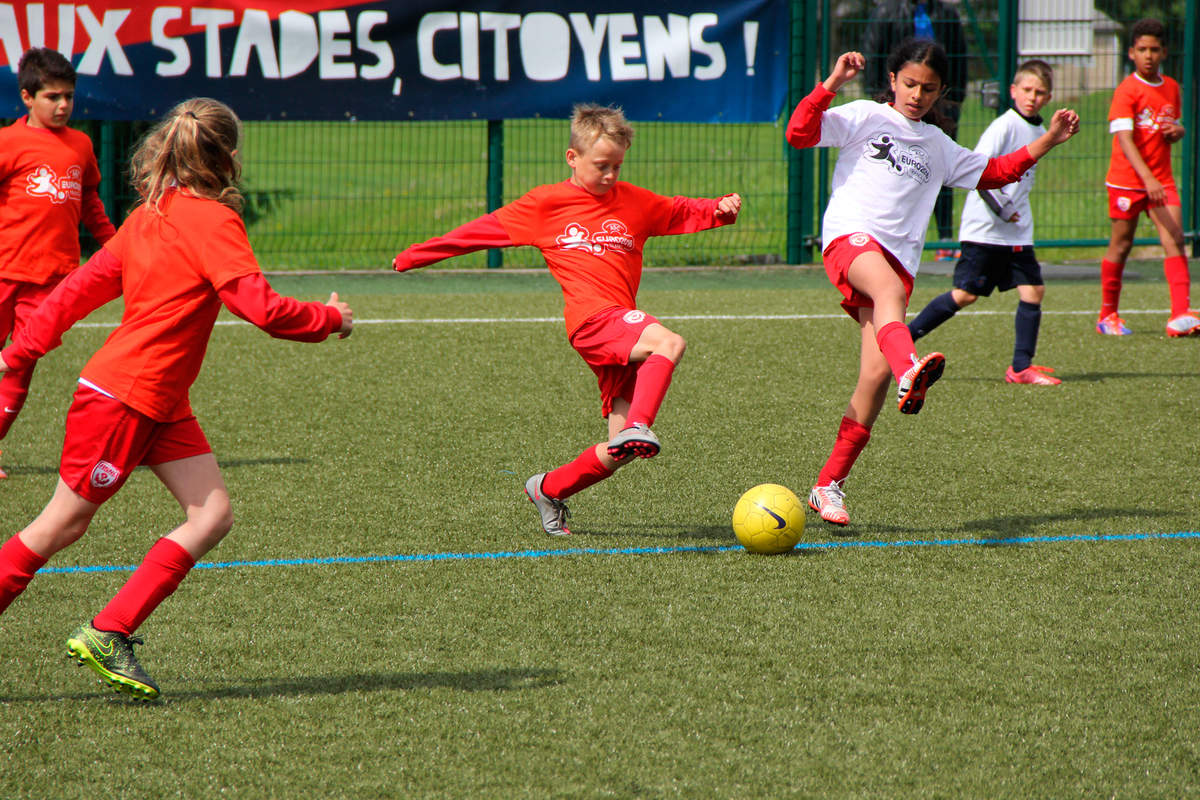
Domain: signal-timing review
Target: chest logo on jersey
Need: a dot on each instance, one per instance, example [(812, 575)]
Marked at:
[(1150, 119), (908, 160), (42, 182), (613, 236)]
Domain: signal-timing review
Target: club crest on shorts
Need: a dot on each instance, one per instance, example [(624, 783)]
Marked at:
[(633, 317), (1123, 203), (104, 475), (859, 239)]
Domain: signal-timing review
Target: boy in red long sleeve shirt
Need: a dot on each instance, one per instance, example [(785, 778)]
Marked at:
[(591, 229), (48, 181)]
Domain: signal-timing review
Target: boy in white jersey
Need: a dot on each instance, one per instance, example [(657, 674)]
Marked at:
[(997, 232)]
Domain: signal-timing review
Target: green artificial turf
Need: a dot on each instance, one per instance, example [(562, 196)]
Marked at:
[(387, 620)]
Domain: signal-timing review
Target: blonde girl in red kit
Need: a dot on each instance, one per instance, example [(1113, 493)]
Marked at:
[(591, 229), (181, 255)]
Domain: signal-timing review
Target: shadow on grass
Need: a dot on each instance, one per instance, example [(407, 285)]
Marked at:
[(707, 533), (29, 469), (1014, 526), (1069, 377), (492, 680)]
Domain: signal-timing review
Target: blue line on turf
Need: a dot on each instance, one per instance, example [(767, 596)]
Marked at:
[(642, 551)]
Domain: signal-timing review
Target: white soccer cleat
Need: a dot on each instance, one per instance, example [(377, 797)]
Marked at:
[(830, 502), (1186, 324)]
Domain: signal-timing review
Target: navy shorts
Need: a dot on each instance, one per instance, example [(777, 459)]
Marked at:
[(984, 267)]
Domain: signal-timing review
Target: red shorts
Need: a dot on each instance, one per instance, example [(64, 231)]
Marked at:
[(605, 341), (838, 257), (105, 439), (1129, 203)]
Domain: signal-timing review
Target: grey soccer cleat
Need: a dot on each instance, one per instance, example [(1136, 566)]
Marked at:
[(636, 440), (554, 511)]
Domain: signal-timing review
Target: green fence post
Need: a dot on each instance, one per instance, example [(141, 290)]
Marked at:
[(1006, 50), (1191, 124), (823, 61), (800, 169), (110, 173), (495, 180)]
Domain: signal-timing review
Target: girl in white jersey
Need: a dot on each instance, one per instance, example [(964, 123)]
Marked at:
[(894, 160)]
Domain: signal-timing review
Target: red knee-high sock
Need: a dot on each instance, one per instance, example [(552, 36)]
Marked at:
[(575, 476), (158, 576), (18, 564), (14, 388), (653, 379), (1179, 284), (896, 343), (852, 437), (1110, 286)]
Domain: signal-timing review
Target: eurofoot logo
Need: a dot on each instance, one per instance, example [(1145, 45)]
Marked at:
[(859, 239), (104, 475), (910, 161), (42, 182), (634, 317), (613, 236)]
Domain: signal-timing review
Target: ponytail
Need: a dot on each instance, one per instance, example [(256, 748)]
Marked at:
[(193, 148)]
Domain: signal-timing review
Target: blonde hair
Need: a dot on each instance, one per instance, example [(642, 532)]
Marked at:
[(1038, 69), (590, 121), (194, 148)]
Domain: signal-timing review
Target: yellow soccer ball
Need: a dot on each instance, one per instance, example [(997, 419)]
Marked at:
[(768, 519)]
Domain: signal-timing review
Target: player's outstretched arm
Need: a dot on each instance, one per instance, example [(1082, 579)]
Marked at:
[(479, 234), (347, 313), (80, 293), (1010, 167), (804, 127), (252, 298), (1063, 125), (848, 66), (729, 205)]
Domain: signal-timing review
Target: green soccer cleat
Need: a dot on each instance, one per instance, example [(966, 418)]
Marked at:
[(110, 655)]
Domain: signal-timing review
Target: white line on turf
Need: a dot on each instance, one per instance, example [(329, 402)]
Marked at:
[(693, 317)]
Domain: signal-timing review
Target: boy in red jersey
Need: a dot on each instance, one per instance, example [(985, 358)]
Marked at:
[(591, 229), (1144, 121), (48, 180)]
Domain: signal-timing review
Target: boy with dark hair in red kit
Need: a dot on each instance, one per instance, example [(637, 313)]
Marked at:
[(48, 181), (1144, 121), (591, 229)]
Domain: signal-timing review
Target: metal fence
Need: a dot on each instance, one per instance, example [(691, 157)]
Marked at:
[(350, 194)]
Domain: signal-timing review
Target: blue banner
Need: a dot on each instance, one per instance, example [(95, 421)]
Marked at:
[(679, 60)]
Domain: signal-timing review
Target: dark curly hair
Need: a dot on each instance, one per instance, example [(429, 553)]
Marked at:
[(920, 51)]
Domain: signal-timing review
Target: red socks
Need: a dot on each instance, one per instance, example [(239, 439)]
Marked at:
[(1110, 286), (852, 437), (896, 344), (653, 379), (576, 476), (17, 567), (158, 576), (1179, 284)]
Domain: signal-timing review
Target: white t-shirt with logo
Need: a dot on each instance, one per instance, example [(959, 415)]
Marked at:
[(1008, 132), (888, 175)]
